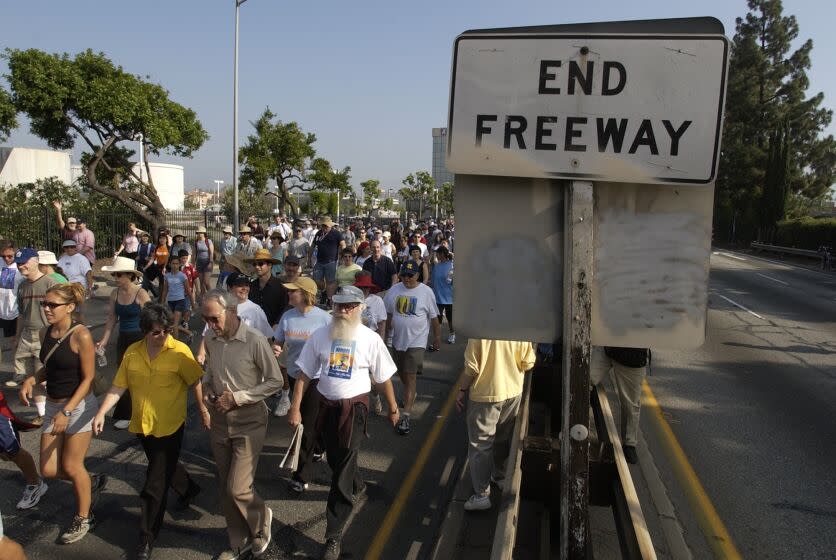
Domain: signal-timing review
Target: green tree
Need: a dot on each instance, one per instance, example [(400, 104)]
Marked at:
[(284, 153), (388, 203), (445, 196), (8, 115), (88, 97), (772, 142), (418, 186), (250, 203), (371, 191)]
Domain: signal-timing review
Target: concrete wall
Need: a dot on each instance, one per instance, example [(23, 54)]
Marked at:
[(27, 165)]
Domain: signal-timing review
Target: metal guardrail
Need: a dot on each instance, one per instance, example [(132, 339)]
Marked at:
[(786, 250)]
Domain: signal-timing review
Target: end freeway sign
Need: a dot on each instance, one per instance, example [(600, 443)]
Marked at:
[(636, 108)]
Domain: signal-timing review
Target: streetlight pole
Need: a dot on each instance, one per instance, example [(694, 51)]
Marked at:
[(235, 124)]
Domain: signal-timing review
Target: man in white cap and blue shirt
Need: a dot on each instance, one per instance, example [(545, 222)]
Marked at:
[(345, 353)]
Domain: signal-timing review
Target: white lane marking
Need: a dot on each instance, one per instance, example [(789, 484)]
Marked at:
[(729, 256), (789, 266), (747, 310), (771, 278)]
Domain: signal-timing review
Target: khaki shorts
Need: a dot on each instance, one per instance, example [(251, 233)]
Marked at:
[(27, 354), (410, 360)]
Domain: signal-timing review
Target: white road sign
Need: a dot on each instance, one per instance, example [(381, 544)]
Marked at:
[(626, 108)]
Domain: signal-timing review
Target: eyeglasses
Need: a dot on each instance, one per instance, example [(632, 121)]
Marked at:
[(51, 305), (291, 264), (159, 332), (211, 319), (346, 306), (262, 263)]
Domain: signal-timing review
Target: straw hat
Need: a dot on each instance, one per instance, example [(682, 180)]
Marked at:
[(201, 229), (47, 257), (236, 261), (122, 264), (244, 229), (262, 255), (326, 221), (227, 229)]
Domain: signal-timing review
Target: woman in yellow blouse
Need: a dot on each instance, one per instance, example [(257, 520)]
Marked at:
[(158, 371)]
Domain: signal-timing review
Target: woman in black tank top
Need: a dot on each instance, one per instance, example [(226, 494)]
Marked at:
[(68, 354)]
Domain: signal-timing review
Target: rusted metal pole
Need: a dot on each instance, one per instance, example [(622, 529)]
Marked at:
[(577, 302)]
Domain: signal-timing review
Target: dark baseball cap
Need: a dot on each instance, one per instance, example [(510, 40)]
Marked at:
[(23, 255), (410, 268), (238, 279)]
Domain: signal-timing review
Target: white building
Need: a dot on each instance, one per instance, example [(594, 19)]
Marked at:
[(27, 165)]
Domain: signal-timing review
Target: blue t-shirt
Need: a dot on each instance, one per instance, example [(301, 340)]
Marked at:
[(293, 331), (176, 286), (441, 281)]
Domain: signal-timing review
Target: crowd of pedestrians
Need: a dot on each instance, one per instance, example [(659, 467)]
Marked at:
[(318, 315)]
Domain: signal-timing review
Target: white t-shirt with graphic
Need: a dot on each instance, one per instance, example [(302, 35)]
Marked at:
[(375, 312), (346, 365), (411, 312)]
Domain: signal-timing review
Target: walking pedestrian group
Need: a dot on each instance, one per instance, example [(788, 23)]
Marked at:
[(321, 318)]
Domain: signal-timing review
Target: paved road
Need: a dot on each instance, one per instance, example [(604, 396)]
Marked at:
[(754, 409), (299, 522)]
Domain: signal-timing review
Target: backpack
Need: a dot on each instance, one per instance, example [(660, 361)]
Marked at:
[(630, 357)]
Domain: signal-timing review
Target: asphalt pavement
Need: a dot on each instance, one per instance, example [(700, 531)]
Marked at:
[(387, 461), (753, 409)]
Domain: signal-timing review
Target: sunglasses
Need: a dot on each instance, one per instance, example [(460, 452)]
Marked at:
[(159, 332), (51, 305), (262, 263), (346, 306)]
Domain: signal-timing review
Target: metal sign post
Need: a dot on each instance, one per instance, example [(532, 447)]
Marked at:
[(577, 302)]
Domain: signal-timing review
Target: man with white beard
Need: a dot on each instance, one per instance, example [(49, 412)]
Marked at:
[(345, 353)]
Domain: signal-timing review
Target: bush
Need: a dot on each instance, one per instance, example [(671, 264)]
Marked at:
[(806, 233)]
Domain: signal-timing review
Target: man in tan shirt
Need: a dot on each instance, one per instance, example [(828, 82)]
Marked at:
[(494, 375), (241, 371)]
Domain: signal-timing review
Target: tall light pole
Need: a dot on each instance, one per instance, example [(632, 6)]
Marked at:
[(235, 124)]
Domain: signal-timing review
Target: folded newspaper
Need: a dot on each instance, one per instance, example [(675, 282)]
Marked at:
[(291, 456)]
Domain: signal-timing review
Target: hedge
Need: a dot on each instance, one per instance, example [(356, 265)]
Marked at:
[(806, 233)]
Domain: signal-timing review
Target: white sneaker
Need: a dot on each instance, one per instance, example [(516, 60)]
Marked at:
[(32, 495), (478, 502), (284, 405), (122, 424), (452, 338)]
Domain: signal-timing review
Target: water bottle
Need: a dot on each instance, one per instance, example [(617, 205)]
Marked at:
[(101, 359)]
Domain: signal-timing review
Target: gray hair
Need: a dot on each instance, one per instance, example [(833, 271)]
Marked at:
[(222, 297)]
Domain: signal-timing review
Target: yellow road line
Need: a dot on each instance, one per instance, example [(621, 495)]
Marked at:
[(405, 491), (712, 526)]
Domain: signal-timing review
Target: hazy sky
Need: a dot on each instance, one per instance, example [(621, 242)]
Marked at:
[(369, 78)]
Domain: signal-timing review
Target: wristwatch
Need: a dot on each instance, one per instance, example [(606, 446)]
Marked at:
[(67, 413)]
